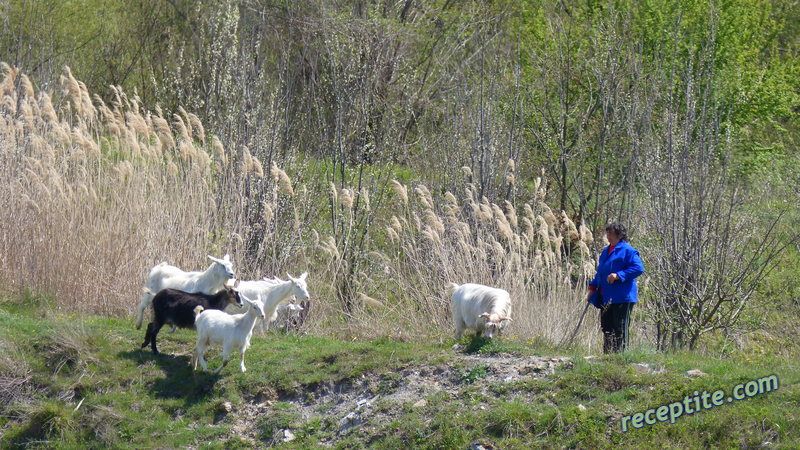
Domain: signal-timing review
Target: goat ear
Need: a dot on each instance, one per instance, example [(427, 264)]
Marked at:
[(214, 259), (483, 316), (227, 257), (289, 275), (304, 275)]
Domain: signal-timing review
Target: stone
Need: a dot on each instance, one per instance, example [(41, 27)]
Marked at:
[(421, 403), (695, 373), (288, 436), (641, 367), (581, 407), (351, 420)]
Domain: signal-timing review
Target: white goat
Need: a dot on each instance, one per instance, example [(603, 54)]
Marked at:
[(288, 316), (274, 291), (481, 308), (163, 276), (233, 332)]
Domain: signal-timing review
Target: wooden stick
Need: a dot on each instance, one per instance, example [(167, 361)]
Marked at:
[(580, 322)]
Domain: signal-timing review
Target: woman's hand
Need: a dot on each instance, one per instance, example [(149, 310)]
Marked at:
[(612, 278)]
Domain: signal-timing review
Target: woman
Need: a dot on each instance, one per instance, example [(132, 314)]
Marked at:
[(613, 289)]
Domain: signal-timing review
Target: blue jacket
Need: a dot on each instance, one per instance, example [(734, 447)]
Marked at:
[(625, 262)]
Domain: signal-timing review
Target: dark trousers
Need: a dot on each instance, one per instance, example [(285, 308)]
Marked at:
[(614, 320)]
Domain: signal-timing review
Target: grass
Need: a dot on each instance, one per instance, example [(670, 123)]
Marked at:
[(130, 398)]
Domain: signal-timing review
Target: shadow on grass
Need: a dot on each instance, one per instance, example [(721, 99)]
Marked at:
[(495, 346), (476, 344), (180, 380)]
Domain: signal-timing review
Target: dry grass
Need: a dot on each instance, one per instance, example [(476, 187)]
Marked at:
[(94, 195), (92, 200), (15, 374)]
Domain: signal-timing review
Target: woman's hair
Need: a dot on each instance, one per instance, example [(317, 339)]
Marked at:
[(619, 229)]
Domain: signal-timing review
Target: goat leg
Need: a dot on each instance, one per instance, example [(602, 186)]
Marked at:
[(224, 363), (156, 328), (147, 334)]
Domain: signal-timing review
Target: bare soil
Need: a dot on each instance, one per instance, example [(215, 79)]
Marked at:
[(360, 405)]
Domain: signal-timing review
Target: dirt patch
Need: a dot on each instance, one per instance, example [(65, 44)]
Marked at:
[(348, 406)]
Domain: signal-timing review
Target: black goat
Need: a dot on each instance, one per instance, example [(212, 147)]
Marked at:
[(175, 307)]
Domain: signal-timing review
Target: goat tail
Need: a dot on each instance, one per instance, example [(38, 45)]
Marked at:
[(197, 310)]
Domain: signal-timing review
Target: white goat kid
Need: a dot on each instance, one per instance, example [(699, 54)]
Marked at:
[(233, 332), (273, 291), (163, 276), (289, 317), (481, 308)]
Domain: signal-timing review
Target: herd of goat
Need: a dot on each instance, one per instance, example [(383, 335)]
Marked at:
[(211, 302)]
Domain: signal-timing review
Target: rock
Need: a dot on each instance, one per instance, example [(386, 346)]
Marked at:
[(641, 367), (226, 407), (456, 347), (421, 403), (536, 368), (591, 357), (581, 407), (266, 395), (695, 373), (351, 420), (288, 436)]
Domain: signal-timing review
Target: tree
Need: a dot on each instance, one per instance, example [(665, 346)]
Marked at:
[(708, 245)]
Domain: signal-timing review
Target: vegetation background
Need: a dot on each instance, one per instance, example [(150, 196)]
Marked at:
[(679, 121), (390, 147)]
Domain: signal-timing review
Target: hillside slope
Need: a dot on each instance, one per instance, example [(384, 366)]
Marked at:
[(67, 381)]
